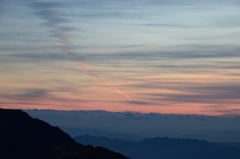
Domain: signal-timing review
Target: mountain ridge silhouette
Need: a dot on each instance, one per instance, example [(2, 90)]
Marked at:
[(22, 137)]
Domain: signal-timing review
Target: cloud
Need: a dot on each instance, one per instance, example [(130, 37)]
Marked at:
[(62, 33), (27, 94), (215, 98), (48, 12), (44, 5), (53, 20), (102, 14), (192, 94), (43, 57), (33, 93), (2, 3), (228, 22), (139, 103), (168, 25), (183, 53), (150, 54), (149, 124), (188, 2), (230, 111), (51, 17)]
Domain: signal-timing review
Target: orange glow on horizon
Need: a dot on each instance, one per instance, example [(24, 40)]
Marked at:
[(61, 104)]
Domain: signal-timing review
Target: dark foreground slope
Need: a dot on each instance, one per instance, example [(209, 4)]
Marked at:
[(166, 148), (79, 151), (22, 137)]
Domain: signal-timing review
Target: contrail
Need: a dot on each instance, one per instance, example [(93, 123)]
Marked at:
[(45, 11), (73, 56), (87, 68), (107, 84)]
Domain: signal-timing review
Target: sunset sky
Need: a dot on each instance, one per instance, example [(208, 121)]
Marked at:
[(175, 56)]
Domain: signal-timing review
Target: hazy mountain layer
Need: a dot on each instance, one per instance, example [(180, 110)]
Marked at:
[(98, 133), (166, 148)]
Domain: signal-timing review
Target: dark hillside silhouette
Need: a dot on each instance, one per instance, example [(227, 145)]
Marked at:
[(22, 137), (79, 151)]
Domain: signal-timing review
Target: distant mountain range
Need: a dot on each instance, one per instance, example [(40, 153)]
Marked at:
[(222, 136), (166, 148), (98, 133), (22, 137)]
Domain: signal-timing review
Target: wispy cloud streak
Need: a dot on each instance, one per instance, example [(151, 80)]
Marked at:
[(46, 11)]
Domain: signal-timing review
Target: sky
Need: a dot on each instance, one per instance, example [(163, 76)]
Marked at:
[(169, 57)]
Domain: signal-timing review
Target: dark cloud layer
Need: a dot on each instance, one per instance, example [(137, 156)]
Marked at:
[(33, 93), (193, 94), (151, 124), (27, 94), (194, 52)]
